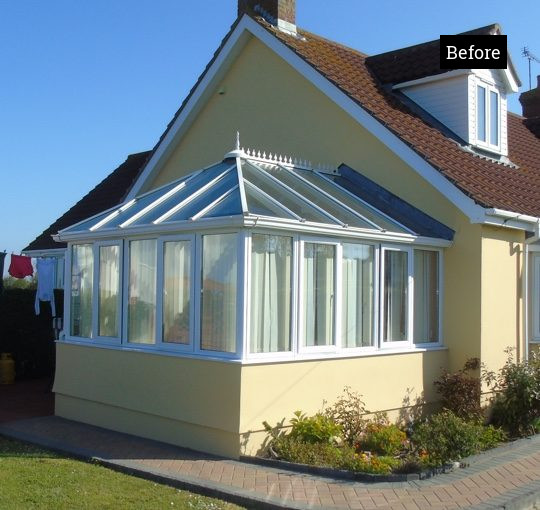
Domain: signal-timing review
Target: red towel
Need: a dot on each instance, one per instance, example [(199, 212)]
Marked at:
[(20, 266)]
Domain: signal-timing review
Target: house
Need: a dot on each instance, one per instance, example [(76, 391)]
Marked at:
[(382, 225)]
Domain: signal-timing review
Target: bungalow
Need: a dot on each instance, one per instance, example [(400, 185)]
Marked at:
[(377, 220)]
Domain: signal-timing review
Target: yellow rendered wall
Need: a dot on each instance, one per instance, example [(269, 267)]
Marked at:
[(272, 392), (502, 303), (190, 402)]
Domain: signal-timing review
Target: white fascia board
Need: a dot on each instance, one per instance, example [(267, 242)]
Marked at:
[(55, 252), (501, 217), (231, 49), (435, 77)]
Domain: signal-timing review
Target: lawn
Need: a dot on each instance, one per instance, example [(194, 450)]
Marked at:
[(33, 478)]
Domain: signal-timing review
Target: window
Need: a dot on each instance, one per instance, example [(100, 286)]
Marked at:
[(218, 292), (141, 308), (82, 283), (109, 291), (176, 309), (318, 295), (426, 296), (357, 295), (487, 116), (270, 314), (395, 292)]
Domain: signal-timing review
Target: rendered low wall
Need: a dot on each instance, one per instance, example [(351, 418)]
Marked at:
[(392, 383), (219, 407), (187, 402)]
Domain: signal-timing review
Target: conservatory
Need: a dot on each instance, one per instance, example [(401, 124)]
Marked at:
[(255, 257), (241, 291)]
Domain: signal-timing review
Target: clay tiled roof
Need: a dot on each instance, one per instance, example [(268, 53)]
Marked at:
[(108, 193), (488, 183), (417, 61)]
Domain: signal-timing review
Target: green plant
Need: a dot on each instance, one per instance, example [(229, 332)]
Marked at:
[(292, 449), (373, 464), (517, 406), (446, 437), (461, 392), (348, 412), (382, 439), (314, 429)]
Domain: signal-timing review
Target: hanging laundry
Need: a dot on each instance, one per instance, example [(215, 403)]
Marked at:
[(2, 257), (45, 283), (20, 266)]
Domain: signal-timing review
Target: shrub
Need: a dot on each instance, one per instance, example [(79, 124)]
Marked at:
[(517, 407), (383, 439), (328, 455), (314, 454), (460, 392), (348, 412), (446, 437), (314, 429)]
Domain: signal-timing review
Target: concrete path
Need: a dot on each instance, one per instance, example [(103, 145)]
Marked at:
[(507, 477)]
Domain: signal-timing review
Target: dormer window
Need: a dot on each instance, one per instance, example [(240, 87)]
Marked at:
[(487, 116)]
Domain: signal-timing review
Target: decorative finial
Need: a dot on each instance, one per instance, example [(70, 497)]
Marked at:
[(238, 140)]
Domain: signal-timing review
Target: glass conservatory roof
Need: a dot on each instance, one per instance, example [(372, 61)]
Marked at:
[(246, 186)]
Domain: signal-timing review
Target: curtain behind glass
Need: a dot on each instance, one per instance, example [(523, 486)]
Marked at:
[(109, 290), (176, 291), (357, 298), (318, 306), (142, 292), (82, 283), (395, 296), (426, 296), (270, 293), (218, 299)]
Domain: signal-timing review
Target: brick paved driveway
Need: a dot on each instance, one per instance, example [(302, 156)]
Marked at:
[(508, 477)]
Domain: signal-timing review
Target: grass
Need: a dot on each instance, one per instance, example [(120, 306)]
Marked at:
[(34, 478)]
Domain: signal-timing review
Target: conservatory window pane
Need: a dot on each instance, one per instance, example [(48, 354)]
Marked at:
[(218, 299), (395, 296), (82, 283), (271, 259), (318, 297), (426, 296), (357, 295), (109, 290), (176, 291), (142, 292)]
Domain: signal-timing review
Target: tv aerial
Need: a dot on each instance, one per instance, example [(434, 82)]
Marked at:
[(530, 57)]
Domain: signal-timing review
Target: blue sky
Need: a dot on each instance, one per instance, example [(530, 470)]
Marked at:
[(83, 84)]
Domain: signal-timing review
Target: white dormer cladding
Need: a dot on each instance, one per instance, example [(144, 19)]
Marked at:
[(454, 98)]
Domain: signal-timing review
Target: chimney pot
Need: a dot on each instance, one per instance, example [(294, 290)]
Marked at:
[(281, 13)]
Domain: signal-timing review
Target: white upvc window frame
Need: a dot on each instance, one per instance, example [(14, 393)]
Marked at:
[(336, 326), (240, 296), (160, 277), (489, 88), (96, 337), (125, 294), (535, 298), (248, 355), (376, 298), (440, 261), (408, 342)]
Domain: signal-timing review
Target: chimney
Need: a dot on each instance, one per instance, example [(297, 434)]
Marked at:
[(530, 101), (281, 13)]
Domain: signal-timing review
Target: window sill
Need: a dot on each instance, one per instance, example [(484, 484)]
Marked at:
[(260, 360)]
